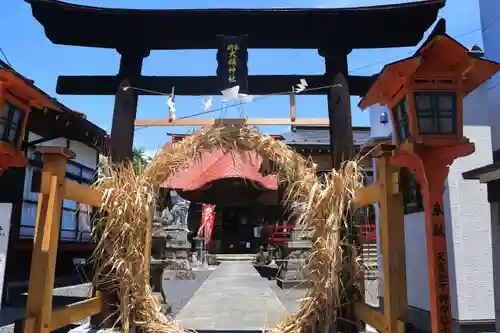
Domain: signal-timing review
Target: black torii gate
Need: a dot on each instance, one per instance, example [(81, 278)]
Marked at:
[(134, 33)]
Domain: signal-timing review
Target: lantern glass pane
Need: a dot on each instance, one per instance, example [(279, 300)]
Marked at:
[(2, 127), (12, 119), (445, 103), (3, 119), (446, 125), (400, 112), (436, 112), (426, 125), (12, 136), (423, 102)]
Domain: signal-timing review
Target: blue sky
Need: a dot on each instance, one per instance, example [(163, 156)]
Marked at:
[(33, 55)]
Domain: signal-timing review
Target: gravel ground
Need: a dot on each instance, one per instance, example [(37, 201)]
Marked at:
[(178, 294), (62, 296)]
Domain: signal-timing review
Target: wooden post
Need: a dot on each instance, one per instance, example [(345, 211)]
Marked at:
[(392, 236), (339, 106), (46, 239), (341, 142), (125, 110), (293, 115), (122, 140), (430, 167), (148, 243)]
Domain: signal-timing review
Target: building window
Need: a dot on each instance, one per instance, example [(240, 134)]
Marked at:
[(412, 198), (11, 123), (75, 217), (436, 112), (400, 112), (367, 211)]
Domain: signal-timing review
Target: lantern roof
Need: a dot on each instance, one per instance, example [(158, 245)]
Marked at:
[(440, 53), (168, 29), (49, 116)]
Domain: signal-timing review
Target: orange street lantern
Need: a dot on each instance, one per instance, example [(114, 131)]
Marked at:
[(425, 92), (425, 95), (17, 98)]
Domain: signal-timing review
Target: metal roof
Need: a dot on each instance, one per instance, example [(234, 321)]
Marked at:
[(478, 172), (320, 136)]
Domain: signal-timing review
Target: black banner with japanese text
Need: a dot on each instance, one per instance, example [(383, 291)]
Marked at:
[(232, 59)]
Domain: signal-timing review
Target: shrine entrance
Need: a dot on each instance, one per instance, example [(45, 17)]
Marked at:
[(236, 236), (246, 202)]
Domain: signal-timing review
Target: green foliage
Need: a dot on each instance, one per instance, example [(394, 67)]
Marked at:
[(139, 159)]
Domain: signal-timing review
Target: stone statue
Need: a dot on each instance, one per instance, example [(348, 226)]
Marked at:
[(178, 214), (169, 248)]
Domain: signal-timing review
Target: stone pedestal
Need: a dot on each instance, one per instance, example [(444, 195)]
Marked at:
[(178, 266), (157, 267), (292, 273)]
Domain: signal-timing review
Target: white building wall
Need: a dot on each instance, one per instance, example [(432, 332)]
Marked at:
[(59, 142), (84, 155), (470, 214), (490, 27)]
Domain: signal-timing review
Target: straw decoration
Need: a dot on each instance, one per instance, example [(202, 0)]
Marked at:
[(129, 198)]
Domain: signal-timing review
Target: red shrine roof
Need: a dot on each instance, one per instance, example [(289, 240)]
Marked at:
[(220, 164)]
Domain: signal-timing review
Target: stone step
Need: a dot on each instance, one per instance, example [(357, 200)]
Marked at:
[(289, 284), (235, 257)]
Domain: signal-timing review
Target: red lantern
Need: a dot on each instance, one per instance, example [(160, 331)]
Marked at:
[(17, 98), (13, 120), (425, 95)]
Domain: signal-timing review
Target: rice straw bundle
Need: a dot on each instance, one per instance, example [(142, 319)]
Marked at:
[(129, 198)]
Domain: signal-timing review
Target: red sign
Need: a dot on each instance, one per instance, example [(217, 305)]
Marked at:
[(207, 222)]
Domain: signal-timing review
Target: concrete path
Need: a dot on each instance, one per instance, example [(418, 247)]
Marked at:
[(234, 297)]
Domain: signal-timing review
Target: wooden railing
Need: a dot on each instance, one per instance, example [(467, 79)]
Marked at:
[(368, 233), (40, 317), (386, 191), (282, 233)]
